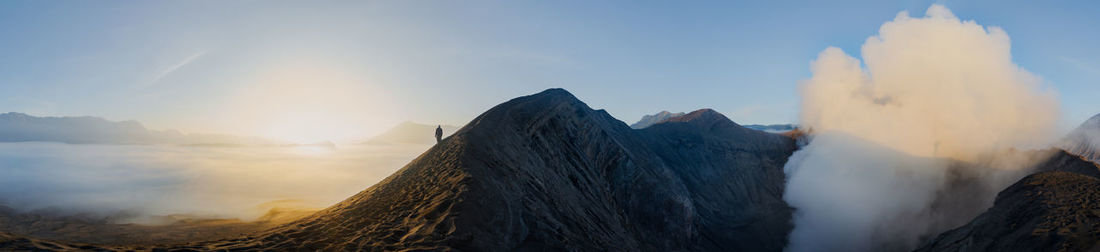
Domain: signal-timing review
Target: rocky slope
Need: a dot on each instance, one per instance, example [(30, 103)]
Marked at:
[(650, 120), (87, 228), (735, 176), (1055, 209), (1084, 140)]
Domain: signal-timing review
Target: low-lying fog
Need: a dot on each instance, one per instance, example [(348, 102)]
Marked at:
[(141, 181)]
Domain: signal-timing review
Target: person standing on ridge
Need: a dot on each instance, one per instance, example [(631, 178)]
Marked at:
[(438, 133)]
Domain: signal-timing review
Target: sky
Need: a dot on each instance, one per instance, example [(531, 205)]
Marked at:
[(322, 70)]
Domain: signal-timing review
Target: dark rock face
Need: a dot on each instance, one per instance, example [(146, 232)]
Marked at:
[(1055, 209), (1065, 161), (1047, 211), (735, 176), (546, 172)]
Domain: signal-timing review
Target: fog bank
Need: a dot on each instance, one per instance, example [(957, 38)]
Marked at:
[(143, 181)]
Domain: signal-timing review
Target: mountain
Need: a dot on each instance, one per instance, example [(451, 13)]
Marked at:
[(1047, 211), (1084, 140), (19, 127), (1055, 208), (546, 172), (411, 133), (735, 176), (1052, 210), (650, 120), (776, 128)]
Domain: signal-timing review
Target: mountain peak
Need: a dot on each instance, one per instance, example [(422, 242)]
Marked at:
[(1084, 140), (554, 92), (650, 120), (704, 116), (1093, 121), (531, 110)]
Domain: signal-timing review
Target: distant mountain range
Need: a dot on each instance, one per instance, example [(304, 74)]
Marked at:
[(411, 133), (650, 120), (19, 127), (772, 127)]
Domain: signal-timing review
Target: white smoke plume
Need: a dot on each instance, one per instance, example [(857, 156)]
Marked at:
[(931, 92)]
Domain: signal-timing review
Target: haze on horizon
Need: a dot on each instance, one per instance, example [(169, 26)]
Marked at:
[(315, 71)]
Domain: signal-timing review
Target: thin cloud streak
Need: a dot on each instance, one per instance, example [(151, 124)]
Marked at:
[(173, 68), (1080, 64)]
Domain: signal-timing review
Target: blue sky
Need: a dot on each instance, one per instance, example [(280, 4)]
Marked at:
[(208, 66)]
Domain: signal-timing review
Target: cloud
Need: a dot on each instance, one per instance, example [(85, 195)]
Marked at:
[(171, 69), (929, 90)]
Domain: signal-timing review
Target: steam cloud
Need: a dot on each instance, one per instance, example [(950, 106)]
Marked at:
[(932, 93)]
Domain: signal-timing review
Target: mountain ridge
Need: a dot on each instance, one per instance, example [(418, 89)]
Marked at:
[(1084, 140), (650, 120), (547, 172), (20, 127)]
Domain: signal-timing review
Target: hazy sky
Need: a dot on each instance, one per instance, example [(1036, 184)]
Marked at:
[(319, 70)]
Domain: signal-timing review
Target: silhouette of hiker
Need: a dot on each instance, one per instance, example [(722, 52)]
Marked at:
[(438, 133)]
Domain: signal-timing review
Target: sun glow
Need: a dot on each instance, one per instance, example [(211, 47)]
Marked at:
[(309, 105)]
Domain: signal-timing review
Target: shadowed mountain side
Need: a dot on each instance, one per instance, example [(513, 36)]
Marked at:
[(1047, 211), (1054, 209), (735, 176), (1061, 160)]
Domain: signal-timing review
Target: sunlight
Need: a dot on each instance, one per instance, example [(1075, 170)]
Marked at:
[(308, 104)]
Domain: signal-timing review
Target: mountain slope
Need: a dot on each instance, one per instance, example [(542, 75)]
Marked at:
[(1084, 140), (546, 172), (1055, 209), (735, 176), (1046, 211), (650, 120)]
